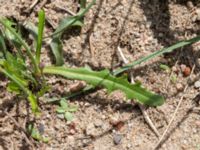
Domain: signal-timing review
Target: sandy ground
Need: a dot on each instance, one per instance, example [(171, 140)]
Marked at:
[(108, 122)]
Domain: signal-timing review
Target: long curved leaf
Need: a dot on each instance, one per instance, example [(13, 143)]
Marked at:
[(156, 54), (111, 83)]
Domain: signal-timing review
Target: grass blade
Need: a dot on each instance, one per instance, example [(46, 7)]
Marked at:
[(41, 24), (3, 46), (111, 83), (155, 54)]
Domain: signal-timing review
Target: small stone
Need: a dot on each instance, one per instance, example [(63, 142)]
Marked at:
[(117, 138), (179, 87), (90, 130), (98, 123), (182, 66), (187, 71), (197, 123), (114, 119), (190, 5), (197, 84), (175, 69), (198, 14)]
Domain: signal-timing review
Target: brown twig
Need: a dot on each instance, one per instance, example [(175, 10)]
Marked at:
[(142, 108)]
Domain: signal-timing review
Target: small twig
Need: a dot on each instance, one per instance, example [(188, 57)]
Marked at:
[(91, 46), (21, 129), (66, 9), (33, 4), (174, 115), (142, 108)]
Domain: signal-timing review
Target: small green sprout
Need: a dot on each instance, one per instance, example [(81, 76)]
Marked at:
[(66, 109)]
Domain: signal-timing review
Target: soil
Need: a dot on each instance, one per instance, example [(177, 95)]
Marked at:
[(103, 121)]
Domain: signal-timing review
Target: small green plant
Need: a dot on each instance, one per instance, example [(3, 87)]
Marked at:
[(35, 134), (66, 109), (28, 76)]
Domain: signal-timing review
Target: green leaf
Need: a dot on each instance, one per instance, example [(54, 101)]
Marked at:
[(13, 87), (33, 102), (66, 23), (41, 15), (60, 110), (165, 67), (32, 99), (64, 104), (68, 116), (3, 46), (56, 47), (156, 54), (36, 134), (72, 108), (56, 43), (111, 83)]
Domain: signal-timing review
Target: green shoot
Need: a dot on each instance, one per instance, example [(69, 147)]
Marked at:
[(40, 34)]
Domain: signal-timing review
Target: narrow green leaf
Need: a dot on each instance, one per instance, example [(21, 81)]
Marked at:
[(56, 44), (156, 54), (111, 83), (11, 37), (41, 24), (56, 47), (3, 46)]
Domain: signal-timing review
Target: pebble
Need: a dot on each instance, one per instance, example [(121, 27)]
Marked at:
[(90, 130), (98, 123), (197, 84), (179, 87), (187, 71), (117, 138), (175, 69)]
